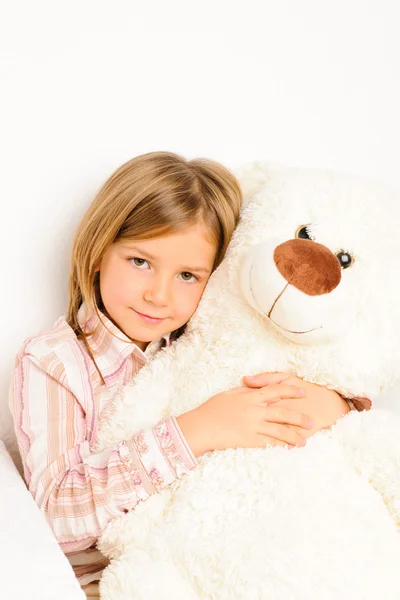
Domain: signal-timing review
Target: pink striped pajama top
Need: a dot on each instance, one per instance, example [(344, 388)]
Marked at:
[(57, 396)]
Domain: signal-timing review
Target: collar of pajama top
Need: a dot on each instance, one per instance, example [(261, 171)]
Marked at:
[(111, 348)]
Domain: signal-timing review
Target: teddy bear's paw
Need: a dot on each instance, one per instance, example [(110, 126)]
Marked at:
[(141, 575)]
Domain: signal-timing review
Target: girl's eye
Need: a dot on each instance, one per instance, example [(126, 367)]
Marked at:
[(140, 263), (188, 276)]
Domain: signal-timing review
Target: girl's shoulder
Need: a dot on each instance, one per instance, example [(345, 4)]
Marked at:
[(52, 349), (59, 333)]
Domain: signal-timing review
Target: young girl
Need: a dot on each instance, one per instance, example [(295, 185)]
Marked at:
[(141, 259)]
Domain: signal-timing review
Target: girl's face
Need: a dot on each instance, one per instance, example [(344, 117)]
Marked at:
[(152, 287)]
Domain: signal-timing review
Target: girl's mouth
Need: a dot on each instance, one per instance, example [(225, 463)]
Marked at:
[(148, 318)]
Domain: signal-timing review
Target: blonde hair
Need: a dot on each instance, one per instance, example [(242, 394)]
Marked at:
[(151, 195)]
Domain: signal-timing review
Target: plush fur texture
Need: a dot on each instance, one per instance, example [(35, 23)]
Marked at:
[(317, 522)]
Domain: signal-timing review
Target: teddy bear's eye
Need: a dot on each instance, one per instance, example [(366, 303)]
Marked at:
[(303, 233), (345, 259)]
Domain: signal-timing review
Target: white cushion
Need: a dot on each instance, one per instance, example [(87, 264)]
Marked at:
[(32, 564)]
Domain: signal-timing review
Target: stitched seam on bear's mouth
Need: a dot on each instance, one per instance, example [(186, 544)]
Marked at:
[(295, 332), (276, 300), (273, 306)]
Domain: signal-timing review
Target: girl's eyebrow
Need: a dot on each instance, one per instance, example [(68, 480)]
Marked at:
[(139, 251), (195, 270), (151, 257)]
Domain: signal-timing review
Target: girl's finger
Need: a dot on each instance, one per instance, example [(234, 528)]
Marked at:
[(278, 391), (263, 379), (277, 414), (282, 433)]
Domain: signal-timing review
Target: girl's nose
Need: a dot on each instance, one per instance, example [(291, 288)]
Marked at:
[(157, 292)]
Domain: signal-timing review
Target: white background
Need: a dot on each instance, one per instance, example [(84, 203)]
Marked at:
[(87, 84)]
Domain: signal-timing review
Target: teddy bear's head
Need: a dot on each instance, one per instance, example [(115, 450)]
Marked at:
[(318, 260)]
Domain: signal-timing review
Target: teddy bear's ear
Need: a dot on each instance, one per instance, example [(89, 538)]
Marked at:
[(251, 178)]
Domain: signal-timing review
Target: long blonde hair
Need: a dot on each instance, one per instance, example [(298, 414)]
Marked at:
[(151, 195)]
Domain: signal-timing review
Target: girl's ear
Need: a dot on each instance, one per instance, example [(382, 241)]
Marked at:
[(251, 178)]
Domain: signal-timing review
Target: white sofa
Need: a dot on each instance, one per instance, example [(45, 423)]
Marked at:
[(32, 565)]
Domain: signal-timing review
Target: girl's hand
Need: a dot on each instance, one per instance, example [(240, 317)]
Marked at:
[(323, 406), (247, 418)]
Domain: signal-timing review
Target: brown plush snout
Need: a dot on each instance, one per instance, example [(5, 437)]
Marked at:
[(310, 267)]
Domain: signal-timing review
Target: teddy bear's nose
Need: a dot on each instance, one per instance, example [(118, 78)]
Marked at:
[(310, 267)]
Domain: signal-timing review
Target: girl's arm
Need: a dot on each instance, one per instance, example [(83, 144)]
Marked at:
[(80, 491)]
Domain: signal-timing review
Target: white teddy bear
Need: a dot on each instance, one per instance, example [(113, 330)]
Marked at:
[(310, 284)]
